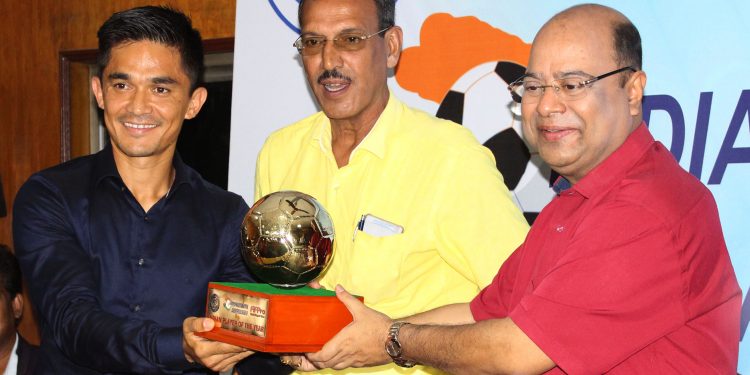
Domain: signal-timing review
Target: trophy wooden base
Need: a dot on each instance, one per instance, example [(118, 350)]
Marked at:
[(264, 318)]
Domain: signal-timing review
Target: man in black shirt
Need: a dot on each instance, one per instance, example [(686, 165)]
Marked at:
[(119, 246)]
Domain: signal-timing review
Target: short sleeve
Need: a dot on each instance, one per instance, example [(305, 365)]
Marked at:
[(615, 289), (493, 301)]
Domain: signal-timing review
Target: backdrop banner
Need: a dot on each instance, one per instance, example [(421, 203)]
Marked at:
[(460, 55)]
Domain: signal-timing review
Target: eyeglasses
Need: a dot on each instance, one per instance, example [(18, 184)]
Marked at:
[(308, 45), (571, 88)]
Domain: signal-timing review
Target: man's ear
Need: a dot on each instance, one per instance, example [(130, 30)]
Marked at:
[(394, 39), (17, 304), (636, 85), (196, 102), (96, 87)]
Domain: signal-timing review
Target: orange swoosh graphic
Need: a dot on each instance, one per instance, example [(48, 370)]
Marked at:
[(451, 46)]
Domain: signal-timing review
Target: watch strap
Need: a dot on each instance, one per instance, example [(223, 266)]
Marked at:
[(393, 341)]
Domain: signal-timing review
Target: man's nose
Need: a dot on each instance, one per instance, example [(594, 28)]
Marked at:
[(140, 102), (550, 101), (331, 57)]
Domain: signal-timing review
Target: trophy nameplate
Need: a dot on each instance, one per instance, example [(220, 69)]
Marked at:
[(265, 318)]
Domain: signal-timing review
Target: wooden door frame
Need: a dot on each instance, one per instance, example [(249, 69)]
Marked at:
[(88, 56)]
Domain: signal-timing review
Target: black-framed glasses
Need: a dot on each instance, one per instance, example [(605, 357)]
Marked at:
[(571, 88), (308, 45)]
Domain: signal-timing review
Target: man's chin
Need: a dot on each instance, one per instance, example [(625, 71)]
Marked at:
[(556, 160), (136, 152), (336, 112)]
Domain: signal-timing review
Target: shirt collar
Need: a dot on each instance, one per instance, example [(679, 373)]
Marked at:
[(375, 141), (105, 167), (611, 170), (13, 360), (561, 184), (182, 173)]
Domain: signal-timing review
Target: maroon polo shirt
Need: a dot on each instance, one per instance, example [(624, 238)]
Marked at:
[(625, 272)]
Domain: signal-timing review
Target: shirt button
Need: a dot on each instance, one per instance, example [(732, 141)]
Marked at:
[(136, 308), (141, 262), (560, 228), (147, 218)]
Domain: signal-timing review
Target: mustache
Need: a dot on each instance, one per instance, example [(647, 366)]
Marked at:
[(332, 74)]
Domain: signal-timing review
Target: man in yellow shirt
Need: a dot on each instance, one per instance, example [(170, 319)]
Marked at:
[(421, 214)]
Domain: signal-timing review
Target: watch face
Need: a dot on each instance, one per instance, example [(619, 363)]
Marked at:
[(393, 348)]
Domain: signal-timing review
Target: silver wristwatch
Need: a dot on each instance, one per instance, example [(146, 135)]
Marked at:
[(393, 346)]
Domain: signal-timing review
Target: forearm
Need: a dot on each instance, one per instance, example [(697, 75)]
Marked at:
[(455, 314), (94, 338), (488, 347), (109, 343)]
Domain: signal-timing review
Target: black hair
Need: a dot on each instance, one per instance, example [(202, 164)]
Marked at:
[(627, 47), (10, 272), (386, 13), (162, 25)]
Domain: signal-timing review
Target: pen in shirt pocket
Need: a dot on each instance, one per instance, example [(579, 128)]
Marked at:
[(376, 227), (358, 227)]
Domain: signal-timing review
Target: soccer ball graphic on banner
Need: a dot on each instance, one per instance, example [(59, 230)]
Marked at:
[(480, 101), (287, 239)]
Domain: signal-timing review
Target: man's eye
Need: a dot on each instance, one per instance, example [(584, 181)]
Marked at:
[(532, 87), (571, 86), (351, 39), (161, 90), (311, 42), (120, 86)]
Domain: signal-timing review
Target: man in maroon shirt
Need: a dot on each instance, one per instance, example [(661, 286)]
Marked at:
[(625, 271)]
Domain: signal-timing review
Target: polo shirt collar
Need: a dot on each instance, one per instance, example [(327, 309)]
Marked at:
[(375, 141), (611, 170)]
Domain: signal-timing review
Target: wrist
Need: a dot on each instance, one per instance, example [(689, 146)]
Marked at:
[(393, 346)]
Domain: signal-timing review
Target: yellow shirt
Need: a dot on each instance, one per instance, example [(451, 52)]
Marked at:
[(429, 176)]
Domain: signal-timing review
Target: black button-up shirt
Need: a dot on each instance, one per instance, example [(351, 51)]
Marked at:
[(112, 284)]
